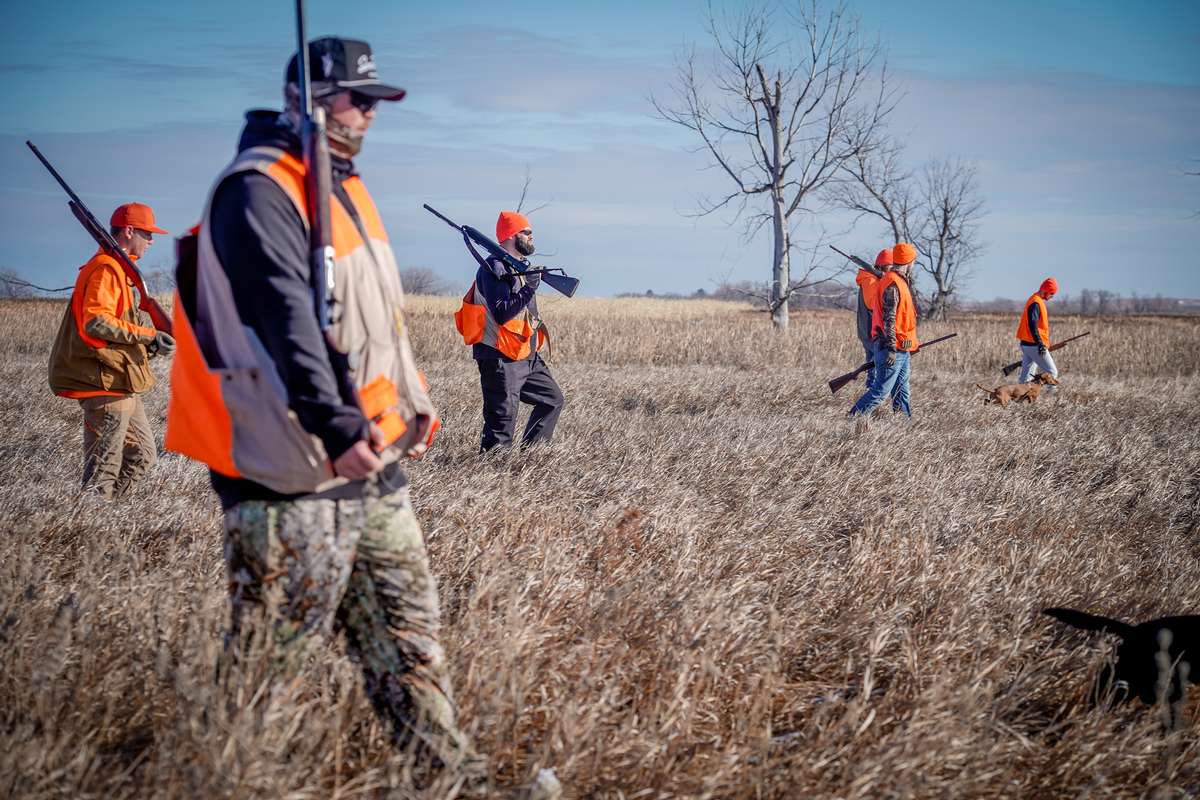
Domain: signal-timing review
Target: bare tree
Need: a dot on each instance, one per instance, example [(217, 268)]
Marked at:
[(1087, 301), (525, 191), (876, 184), (792, 94), (947, 239), (422, 280), (938, 212), (12, 286), (159, 280)]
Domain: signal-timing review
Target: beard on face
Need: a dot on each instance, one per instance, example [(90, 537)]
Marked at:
[(525, 246)]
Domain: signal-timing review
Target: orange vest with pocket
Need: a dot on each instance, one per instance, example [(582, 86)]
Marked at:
[(82, 365), (1023, 332), (228, 406), (906, 312), (477, 325)]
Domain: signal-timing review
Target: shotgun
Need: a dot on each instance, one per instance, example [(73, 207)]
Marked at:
[(1008, 370), (839, 382), (552, 276), (109, 245), (869, 268), (316, 180)]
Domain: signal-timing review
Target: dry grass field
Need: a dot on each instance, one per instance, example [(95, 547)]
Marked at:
[(709, 586)]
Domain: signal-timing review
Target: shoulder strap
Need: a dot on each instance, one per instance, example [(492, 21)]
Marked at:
[(344, 200)]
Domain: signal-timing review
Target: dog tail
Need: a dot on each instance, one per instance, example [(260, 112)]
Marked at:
[(989, 391), (1089, 622)]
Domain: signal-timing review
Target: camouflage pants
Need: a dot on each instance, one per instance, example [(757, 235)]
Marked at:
[(118, 444), (304, 567)]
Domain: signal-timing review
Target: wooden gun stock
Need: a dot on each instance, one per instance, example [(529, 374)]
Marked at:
[(836, 384)]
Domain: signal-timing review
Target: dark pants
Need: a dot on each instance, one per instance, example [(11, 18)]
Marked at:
[(507, 384)]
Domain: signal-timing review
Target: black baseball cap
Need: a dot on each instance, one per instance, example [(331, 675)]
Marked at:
[(338, 64)]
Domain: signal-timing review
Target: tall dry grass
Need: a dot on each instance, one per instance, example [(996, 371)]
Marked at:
[(708, 586)]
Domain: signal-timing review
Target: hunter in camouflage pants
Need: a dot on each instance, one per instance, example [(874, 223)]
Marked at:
[(304, 566)]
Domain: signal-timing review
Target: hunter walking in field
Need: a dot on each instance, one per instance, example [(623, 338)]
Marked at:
[(304, 430), (894, 326), (101, 357), (510, 370), (1033, 331), (868, 298)]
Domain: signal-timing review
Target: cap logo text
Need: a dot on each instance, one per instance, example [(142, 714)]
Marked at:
[(366, 65)]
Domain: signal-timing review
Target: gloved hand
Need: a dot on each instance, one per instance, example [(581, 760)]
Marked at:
[(532, 282), (1041, 349), (163, 344), (891, 358)]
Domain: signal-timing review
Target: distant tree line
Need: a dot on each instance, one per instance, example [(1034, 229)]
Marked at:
[(1088, 302), (1097, 302)]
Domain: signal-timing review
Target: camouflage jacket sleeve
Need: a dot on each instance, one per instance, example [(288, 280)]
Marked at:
[(890, 300)]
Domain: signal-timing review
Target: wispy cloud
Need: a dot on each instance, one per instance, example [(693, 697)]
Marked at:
[(1070, 164)]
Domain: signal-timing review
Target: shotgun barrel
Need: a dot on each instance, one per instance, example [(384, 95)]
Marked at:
[(316, 181), (860, 262), (108, 244), (553, 277), (1009, 368)]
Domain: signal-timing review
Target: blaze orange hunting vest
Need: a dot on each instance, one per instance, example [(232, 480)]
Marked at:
[(906, 312), (1023, 332), (228, 405), (477, 325)]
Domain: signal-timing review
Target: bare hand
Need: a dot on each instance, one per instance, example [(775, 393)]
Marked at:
[(424, 425), (891, 358), (358, 462), (377, 438)]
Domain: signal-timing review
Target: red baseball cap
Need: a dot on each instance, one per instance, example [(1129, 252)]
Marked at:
[(884, 259), (135, 215), (1050, 286)]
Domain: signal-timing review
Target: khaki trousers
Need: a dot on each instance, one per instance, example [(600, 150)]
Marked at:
[(118, 444)]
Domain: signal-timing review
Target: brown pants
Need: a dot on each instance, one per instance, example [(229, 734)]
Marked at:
[(118, 444)]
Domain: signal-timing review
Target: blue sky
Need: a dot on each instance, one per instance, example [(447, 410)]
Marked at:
[(1082, 117)]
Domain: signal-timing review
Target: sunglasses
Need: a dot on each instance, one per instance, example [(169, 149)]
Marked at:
[(147, 235), (362, 102), (526, 232)]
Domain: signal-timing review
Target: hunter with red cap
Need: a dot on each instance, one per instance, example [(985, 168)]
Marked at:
[(894, 328), (1033, 332), (868, 298), (101, 357), (505, 333)]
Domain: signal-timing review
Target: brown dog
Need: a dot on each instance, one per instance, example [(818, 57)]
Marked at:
[(1018, 392)]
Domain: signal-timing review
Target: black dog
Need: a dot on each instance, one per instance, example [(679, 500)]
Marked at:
[(1140, 658)]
